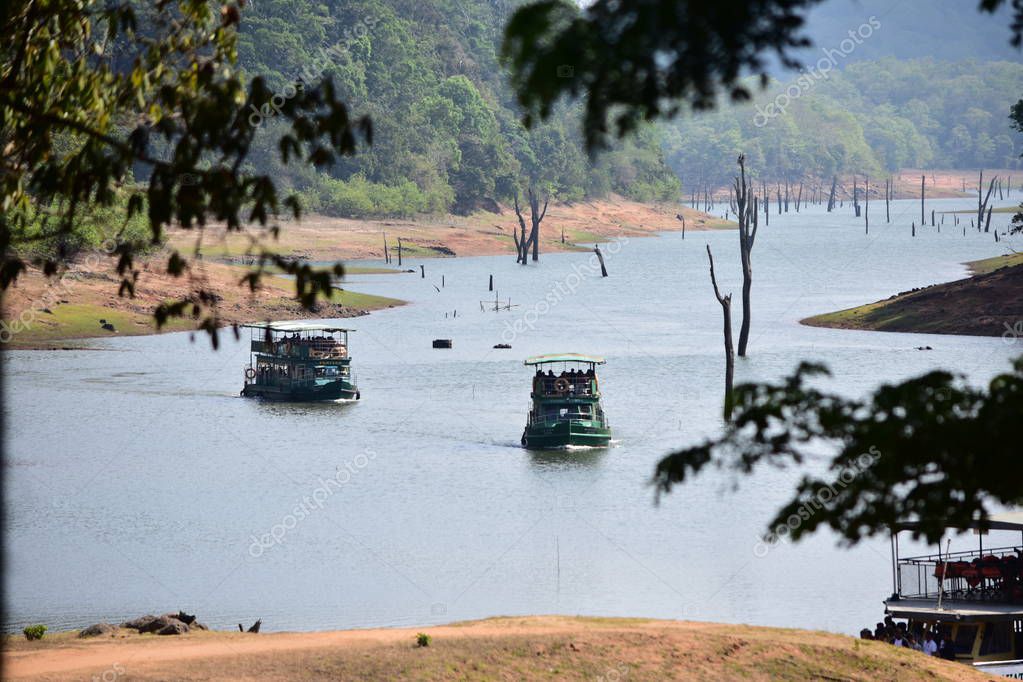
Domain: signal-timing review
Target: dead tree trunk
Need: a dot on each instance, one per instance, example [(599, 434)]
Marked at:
[(982, 205), (922, 180), (399, 251), (387, 253), (521, 245), (887, 200), (831, 197), (536, 216), (600, 257), (726, 311), (747, 215), (856, 197), (866, 204), (799, 197)]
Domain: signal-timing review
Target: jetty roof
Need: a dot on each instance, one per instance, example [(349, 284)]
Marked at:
[(564, 357), (295, 326), (1007, 520)]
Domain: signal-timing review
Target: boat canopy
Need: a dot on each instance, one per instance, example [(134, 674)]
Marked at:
[(564, 357), (295, 326), (1008, 520)]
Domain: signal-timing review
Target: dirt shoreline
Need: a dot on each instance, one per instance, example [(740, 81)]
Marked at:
[(45, 314), (519, 648), (986, 304)]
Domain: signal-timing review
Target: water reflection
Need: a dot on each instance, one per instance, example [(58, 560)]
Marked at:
[(566, 459)]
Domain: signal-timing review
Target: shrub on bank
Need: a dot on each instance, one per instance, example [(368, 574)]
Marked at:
[(33, 632)]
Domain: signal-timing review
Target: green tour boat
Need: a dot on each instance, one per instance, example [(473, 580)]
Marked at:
[(565, 407), (299, 362)]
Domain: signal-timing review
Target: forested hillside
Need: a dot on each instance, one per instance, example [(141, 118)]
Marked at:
[(871, 118), (446, 136)]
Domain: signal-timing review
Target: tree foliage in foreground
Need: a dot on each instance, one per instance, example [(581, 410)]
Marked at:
[(78, 117), (930, 448)]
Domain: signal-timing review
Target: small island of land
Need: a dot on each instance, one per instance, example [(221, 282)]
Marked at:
[(545, 647), (986, 304)]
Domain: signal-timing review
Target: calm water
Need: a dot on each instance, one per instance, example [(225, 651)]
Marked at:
[(139, 480)]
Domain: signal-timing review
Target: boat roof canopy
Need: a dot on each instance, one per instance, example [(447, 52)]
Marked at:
[(564, 357), (1009, 520), (294, 326)]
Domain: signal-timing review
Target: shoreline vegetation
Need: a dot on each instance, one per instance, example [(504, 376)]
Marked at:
[(46, 314), (531, 647), (984, 304)]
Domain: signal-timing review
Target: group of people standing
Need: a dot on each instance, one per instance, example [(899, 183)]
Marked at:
[(933, 642)]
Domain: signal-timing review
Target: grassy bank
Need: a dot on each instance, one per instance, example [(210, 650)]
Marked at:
[(986, 304), (43, 313), (529, 648)]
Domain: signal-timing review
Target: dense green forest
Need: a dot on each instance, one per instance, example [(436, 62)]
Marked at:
[(446, 135), (871, 118)]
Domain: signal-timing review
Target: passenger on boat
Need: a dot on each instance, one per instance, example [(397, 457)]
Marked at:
[(866, 634), (930, 647)]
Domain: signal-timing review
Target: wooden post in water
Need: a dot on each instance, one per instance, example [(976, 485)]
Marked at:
[(422, 272), (399, 251), (387, 253), (914, 229), (491, 283)]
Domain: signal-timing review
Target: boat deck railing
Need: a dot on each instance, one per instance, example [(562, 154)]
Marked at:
[(552, 419), (994, 574), (564, 386)]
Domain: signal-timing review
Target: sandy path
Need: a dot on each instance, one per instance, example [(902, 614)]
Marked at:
[(71, 655)]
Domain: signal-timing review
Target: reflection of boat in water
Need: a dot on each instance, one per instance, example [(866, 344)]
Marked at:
[(298, 361), (565, 407), (972, 599)]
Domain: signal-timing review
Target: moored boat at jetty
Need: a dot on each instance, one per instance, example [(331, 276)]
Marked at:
[(300, 362), (973, 599), (565, 408)]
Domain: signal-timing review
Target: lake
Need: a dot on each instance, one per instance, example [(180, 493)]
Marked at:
[(140, 482)]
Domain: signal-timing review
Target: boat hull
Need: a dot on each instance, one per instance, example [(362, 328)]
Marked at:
[(564, 433), (335, 390)]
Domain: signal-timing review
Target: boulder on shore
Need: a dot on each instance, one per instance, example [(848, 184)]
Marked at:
[(173, 627), (139, 623), (168, 624), (98, 629)]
